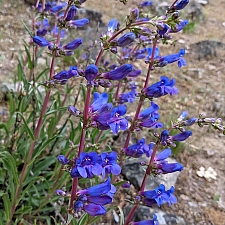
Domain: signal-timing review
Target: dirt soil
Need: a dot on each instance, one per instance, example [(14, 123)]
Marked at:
[(202, 89)]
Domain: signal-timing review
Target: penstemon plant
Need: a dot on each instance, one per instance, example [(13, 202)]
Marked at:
[(57, 167)]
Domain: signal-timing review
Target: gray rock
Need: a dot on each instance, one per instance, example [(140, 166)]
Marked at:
[(193, 12), (134, 172), (203, 2), (207, 49), (196, 73)]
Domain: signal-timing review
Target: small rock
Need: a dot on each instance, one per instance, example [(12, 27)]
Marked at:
[(223, 24), (196, 72), (203, 2)]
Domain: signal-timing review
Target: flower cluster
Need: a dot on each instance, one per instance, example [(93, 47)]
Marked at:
[(90, 164)]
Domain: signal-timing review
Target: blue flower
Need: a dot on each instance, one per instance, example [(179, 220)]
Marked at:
[(57, 8), (146, 3), (178, 27), (182, 136), (164, 137), (190, 121), (40, 41), (165, 167), (91, 72), (163, 87), (79, 23), (156, 53), (182, 116), (116, 122), (112, 26), (87, 165), (181, 4), (93, 199), (159, 196), (109, 164), (99, 101), (119, 73), (72, 13), (63, 160), (146, 222), (127, 97), (164, 60), (73, 45), (137, 150), (126, 39)]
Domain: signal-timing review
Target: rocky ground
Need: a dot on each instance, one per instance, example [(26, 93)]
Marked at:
[(201, 200)]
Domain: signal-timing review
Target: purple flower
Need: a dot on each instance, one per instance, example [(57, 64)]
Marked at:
[(109, 164), (182, 116), (73, 110), (134, 14), (115, 122), (40, 41), (127, 97), (181, 4), (57, 8), (182, 136), (63, 160), (163, 87), (99, 101), (162, 29), (93, 199), (119, 73), (146, 222), (156, 54), (165, 167), (72, 13), (126, 185), (126, 39), (147, 112), (63, 75), (164, 137), (73, 45), (164, 60), (134, 73), (137, 150), (91, 72), (79, 23), (42, 33), (178, 27), (190, 121), (159, 196), (87, 165), (146, 3), (112, 26)]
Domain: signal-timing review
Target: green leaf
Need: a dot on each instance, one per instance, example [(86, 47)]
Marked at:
[(83, 220), (4, 127), (29, 60), (71, 220), (43, 72), (56, 110), (28, 30), (29, 131), (10, 165), (7, 205), (120, 183)]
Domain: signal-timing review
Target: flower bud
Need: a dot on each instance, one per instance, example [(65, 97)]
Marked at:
[(71, 14), (57, 8), (119, 73), (73, 111), (40, 41), (180, 5), (73, 45), (182, 116), (190, 121), (134, 14), (182, 136), (79, 23), (126, 39), (63, 160), (91, 72)]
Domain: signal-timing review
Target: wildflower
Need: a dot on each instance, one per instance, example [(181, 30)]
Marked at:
[(181, 4), (156, 54), (178, 27), (99, 101), (112, 26), (63, 160), (138, 149), (163, 87), (159, 196), (72, 13), (134, 15), (181, 136), (40, 41), (73, 110), (116, 122), (127, 97), (134, 73), (73, 45), (164, 137), (93, 199), (182, 116), (87, 165), (164, 60), (57, 8), (126, 39), (146, 222), (126, 185), (78, 23), (91, 72), (190, 121), (109, 164), (162, 29), (119, 73)]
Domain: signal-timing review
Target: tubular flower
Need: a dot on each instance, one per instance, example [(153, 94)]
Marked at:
[(93, 199), (73, 45), (87, 165), (72, 13), (159, 196), (119, 73), (181, 4), (163, 87), (178, 27), (182, 136), (137, 150), (78, 23), (146, 222), (109, 164), (112, 26), (40, 41), (126, 39), (91, 72)]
